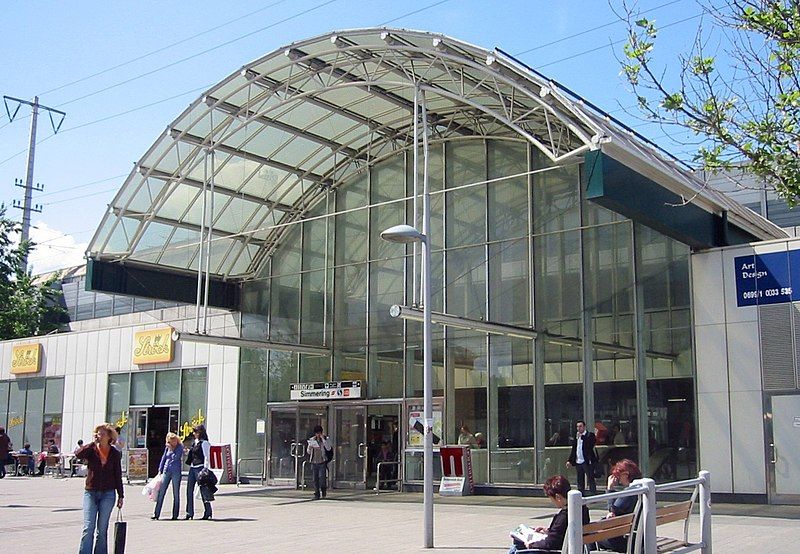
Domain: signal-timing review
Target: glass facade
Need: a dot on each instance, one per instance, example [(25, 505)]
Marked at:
[(513, 242), (31, 410)]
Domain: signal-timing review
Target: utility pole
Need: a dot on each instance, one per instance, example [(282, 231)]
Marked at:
[(29, 187)]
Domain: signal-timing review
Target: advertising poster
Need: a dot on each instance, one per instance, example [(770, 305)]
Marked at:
[(137, 464), (416, 426)]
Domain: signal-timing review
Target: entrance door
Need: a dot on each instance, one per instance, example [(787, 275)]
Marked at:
[(785, 471), (350, 443), (149, 430), (383, 428), (290, 427)]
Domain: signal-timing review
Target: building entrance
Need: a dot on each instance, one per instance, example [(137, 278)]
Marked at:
[(289, 430), (149, 430)]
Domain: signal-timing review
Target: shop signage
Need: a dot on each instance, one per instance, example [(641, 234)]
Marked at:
[(26, 358), (767, 278), (153, 346), (333, 390), (416, 427)]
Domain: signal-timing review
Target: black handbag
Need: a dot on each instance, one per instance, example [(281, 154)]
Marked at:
[(598, 470), (120, 533)]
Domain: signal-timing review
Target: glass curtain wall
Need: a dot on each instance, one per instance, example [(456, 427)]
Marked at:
[(31, 410), (513, 243)]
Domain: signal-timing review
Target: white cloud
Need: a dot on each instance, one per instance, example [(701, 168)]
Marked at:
[(54, 249)]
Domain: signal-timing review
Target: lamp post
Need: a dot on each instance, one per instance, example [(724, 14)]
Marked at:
[(409, 234), (406, 234)]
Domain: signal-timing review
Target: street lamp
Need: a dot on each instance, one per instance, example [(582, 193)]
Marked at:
[(408, 234)]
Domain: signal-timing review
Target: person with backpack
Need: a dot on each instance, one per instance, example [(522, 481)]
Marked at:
[(320, 452)]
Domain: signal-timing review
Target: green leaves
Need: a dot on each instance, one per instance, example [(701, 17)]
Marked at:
[(27, 307)]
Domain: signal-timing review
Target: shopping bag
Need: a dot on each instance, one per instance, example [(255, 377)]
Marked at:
[(120, 532), (150, 490)]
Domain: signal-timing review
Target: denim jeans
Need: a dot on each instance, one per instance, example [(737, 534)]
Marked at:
[(191, 481), (175, 479), (97, 507), (320, 479)]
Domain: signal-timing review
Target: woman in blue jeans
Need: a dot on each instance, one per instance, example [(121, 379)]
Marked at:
[(103, 488), (198, 458), (170, 472)]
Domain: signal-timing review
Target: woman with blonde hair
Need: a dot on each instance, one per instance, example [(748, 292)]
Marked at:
[(169, 471), (103, 487)]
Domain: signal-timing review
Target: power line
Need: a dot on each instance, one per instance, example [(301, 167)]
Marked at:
[(398, 18), (206, 51), (587, 31), (75, 187), (163, 48)]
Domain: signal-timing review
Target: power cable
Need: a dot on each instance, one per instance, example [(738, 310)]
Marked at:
[(587, 31), (159, 50), (201, 53)]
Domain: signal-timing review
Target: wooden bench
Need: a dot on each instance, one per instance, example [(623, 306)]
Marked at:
[(610, 528), (672, 513)]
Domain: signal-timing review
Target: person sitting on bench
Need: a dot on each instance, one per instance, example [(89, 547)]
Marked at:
[(621, 475), (556, 489)]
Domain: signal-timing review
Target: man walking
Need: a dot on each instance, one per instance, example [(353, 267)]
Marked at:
[(318, 446), (583, 458)]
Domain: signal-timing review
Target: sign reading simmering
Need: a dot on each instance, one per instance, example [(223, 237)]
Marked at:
[(326, 391), (153, 347), (26, 358)]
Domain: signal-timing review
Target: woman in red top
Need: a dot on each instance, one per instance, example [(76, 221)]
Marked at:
[(103, 487)]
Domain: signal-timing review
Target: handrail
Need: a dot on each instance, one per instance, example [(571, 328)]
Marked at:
[(239, 473), (302, 484), (379, 480), (646, 488)]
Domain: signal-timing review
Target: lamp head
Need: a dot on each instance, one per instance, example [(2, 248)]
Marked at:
[(402, 233)]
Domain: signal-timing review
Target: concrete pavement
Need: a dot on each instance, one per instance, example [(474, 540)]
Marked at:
[(45, 513)]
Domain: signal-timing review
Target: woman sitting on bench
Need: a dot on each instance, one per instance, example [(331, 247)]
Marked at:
[(621, 475), (556, 489)]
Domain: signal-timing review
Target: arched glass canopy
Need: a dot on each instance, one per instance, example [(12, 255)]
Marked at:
[(275, 136)]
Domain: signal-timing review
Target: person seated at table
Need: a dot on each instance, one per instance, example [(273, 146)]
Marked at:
[(76, 462), (25, 451), (556, 489), (51, 450)]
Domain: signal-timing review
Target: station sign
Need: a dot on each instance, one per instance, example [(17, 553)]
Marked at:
[(153, 347), (26, 358), (332, 390)]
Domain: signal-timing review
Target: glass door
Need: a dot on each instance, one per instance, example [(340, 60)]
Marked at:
[(784, 471), (350, 447), (290, 427)]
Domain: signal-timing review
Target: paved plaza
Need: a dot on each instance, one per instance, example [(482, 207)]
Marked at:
[(46, 513)]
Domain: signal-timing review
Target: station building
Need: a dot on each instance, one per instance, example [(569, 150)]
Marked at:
[(578, 272)]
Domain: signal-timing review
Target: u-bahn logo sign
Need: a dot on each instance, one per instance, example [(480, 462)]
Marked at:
[(333, 390)]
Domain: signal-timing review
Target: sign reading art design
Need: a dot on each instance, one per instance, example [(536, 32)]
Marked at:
[(153, 347), (26, 358), (326, 391)]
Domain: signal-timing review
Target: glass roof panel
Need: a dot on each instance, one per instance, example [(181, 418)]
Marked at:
[(152, 241), (121, 235), (243, 261), (176, 203), (182, 248), (102, 232), (146, 195), (235, 216)]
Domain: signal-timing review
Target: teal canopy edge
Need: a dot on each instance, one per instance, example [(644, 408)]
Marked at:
[(161, 284), (615, 186)]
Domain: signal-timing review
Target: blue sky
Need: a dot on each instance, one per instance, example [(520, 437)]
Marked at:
[(114, 117)]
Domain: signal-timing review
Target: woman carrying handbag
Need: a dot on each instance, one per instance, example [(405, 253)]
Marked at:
[(103, 487), (198, 459)]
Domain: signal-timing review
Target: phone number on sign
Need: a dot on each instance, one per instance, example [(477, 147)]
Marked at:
[(785, 291)]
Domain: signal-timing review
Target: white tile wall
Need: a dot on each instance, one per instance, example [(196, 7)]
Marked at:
[(714, 433), (749, 457), (708, 295), (712, 358), (734, 313), (744, 355)]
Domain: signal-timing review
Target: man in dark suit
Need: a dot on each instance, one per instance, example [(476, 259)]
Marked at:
[(583, 458)]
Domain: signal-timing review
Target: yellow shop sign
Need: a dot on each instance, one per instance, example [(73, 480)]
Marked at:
[(153, 347), (26, 358)]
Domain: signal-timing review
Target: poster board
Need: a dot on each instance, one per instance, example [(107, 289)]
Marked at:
[(137, 464), (457, 477)]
